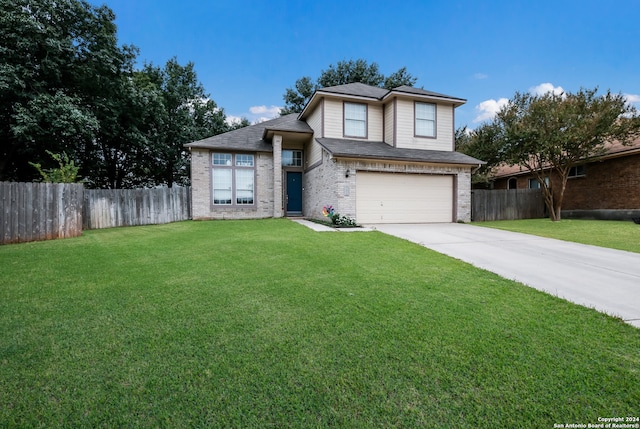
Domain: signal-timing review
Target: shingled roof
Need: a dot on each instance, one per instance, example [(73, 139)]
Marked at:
[(419, 91), (613, 149), (252, 138), (361, 90), (357, 89), (381, 150)]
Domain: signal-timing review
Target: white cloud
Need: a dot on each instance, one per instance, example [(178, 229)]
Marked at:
[(488, 109), (543, 88), (270, 112), (262, 113), (632, 98), (231, 120), (480, 76)]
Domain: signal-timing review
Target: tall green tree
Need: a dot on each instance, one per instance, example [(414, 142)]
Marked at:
[(55, 58), (551, 133), (342, 73), (188, 114), (129, 120), (481, 143), (66, 86)]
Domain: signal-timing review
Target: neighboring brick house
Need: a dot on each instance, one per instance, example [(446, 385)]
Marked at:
[(376, 155), (604, 188)]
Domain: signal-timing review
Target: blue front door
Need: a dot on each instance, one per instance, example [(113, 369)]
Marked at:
[(294, 192)]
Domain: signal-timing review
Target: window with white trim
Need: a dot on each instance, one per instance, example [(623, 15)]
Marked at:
[(233, 179), (291, 158), (355, 120), (535, 184), (425, 119), (577, 171)]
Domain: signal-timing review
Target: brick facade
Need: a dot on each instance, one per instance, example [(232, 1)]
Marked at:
[(610, 184), (328, 155), (327, 184), (201, 189)]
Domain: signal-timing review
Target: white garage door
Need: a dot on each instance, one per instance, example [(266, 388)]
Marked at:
[(403, 198)]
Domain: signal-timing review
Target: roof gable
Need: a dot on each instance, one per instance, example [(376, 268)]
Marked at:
[(254, 137), (375, 93)]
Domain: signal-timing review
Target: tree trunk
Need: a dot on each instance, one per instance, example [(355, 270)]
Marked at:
[(169, 176), (549, 202), (563, 180)]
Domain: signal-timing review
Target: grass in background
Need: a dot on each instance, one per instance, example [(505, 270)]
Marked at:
[(621, 235), (269, 324)]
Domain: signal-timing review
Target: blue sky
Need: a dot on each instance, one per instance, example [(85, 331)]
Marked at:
[(247, 53)]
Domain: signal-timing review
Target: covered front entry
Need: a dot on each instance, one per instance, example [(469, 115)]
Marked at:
[(293, 193), (403, 198)]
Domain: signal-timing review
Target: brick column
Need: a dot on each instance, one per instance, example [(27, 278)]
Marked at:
[(277, 176)]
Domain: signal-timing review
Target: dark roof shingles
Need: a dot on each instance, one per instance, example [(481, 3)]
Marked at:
[(251, 138), (357, 89), (419, 91), (362, 90), (381, 150)]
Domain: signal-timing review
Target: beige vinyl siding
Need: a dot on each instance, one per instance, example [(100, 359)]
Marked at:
[(315, 120), (375, 123), (444, 125), (388, 123), (403, 198), (313, 153), (333, 118), (406, 128), (313, 150)]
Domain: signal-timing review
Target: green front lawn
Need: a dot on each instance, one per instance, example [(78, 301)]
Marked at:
[(269, 324), (621, 235)]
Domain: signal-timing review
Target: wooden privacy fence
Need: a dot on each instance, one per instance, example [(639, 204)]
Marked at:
[(44, 211), (40, 211), (107, 208), (507, 204)]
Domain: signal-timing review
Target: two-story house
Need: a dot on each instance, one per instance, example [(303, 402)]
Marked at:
[(377, 155)]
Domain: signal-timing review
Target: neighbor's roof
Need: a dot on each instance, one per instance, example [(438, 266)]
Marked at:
[(613, 150), (380, 150), (253, 137)]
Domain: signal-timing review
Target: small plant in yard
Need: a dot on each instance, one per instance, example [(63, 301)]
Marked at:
[(337, 219), (66, 173)]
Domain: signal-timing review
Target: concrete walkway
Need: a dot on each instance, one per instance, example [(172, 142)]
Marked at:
[(318, 227), (604, 279)]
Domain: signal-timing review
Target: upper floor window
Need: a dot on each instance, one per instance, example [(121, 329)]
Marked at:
[(292, 158), (355, 120), (425, 119)]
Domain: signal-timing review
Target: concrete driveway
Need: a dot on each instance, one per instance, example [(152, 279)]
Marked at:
[(605, 279)]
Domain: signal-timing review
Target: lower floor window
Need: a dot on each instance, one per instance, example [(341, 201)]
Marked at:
[(233, 179), (222, 186), (244, 186), (535, 184)]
